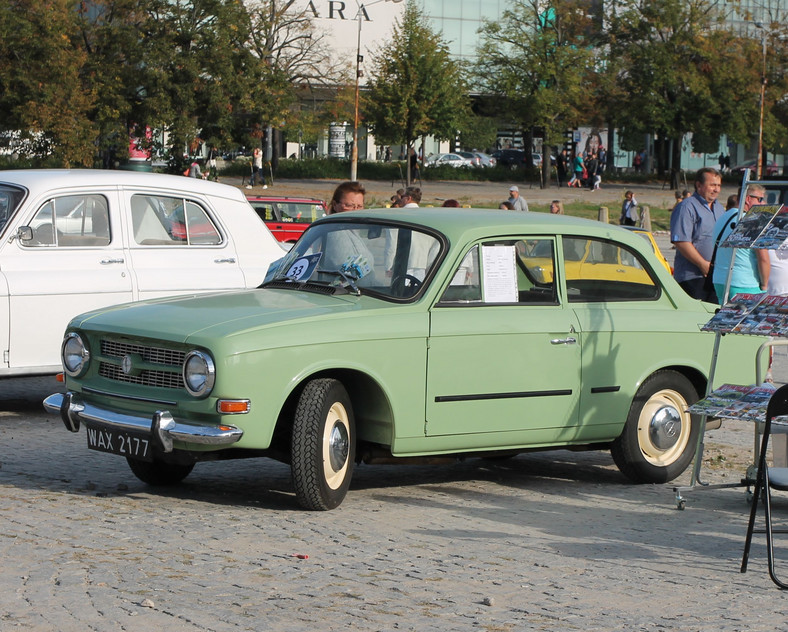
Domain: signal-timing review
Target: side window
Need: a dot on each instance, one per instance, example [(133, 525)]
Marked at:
[(603, 271), (200, 229), (465, 286), (166, 221), (516, 271), (71, 221)]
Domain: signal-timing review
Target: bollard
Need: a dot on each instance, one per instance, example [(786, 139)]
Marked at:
[(603, 215), (645, 218)]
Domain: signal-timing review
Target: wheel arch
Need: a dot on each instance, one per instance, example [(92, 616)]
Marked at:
[(372, 408), (696, 377)]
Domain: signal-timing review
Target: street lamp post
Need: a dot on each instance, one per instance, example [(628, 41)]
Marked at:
[(359, 58), (759, 159)]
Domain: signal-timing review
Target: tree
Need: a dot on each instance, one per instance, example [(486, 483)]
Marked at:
[(680, 73), (416, 89), (287, 56), (44, 99), (538, 58)]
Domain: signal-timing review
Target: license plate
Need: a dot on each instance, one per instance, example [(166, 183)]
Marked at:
[(130, 444)]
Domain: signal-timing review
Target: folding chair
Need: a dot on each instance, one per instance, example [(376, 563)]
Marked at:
[(767, 479)]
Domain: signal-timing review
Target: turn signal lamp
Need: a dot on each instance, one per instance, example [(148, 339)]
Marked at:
[(233, 406)]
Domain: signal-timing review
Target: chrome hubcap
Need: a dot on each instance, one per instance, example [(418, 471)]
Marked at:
[(665, 427), (339, 447)]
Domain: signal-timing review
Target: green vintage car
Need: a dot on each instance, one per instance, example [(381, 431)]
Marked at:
[(401, 333)]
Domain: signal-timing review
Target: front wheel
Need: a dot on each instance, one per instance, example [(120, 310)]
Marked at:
[(159, 474), (659, 437), (323, 445)]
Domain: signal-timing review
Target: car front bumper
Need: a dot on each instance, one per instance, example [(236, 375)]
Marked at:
[(162, 427)]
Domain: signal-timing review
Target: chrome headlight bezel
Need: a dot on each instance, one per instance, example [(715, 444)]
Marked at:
[(199, 373), (75, 355)]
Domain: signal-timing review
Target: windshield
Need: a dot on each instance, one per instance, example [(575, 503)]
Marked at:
[(10, 198), (389, 260)]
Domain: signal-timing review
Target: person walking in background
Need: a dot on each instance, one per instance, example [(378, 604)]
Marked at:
[(692, 233), (194, 170), (517, 202), (629, 210), (414, 165), (561, 165), (591, 164), (751, 267), (257, 167), (578, 167)]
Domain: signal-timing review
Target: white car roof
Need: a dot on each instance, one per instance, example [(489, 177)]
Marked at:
[(35, 180)]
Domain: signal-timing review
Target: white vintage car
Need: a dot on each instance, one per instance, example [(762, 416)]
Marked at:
[(75, 240)]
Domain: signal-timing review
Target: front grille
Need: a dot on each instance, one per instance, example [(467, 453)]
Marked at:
[(152, 355), (155, 355)]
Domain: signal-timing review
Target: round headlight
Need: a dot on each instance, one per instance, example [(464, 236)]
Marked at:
[(75, 355), (199, 373)]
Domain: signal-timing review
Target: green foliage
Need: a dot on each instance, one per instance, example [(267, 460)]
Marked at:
[(539, 60), (44, 96), (416, 88), (478, 132), (680, 72)]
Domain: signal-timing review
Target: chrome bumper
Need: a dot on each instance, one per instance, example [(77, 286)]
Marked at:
[(162, 426)]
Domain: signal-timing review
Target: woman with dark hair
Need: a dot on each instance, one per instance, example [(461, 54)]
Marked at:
[(348, 196), (451, 204)]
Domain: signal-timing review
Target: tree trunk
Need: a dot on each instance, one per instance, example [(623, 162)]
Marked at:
[(675, 164), (546, 166)]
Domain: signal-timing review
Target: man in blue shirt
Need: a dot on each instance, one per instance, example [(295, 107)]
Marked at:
[(692, 233)]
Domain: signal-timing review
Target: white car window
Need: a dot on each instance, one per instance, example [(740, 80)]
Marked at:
[(161, 221), (71, 221)]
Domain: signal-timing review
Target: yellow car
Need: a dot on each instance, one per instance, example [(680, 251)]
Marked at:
[(590, 260), (649, 237)]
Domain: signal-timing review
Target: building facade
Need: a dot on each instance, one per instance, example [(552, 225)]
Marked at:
[(355, 28)]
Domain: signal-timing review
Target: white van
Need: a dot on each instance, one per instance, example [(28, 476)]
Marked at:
[(75, 240)]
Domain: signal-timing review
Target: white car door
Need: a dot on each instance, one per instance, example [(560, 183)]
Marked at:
[(177, 245), (73, 263)]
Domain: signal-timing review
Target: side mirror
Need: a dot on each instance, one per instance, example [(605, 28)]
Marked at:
[(24, 233)]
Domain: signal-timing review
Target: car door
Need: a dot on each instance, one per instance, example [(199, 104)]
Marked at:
[(71, 261), (504, 351), (627, 324), (178, 245)]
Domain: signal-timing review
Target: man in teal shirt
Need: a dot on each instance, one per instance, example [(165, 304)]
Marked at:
[(750, 274)]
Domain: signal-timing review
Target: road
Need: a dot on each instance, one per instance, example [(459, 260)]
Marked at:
[(548, 541)]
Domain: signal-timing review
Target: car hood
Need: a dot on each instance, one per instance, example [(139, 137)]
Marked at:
[(222, 314)]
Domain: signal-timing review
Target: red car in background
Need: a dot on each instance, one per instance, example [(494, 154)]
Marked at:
[(287, 217)]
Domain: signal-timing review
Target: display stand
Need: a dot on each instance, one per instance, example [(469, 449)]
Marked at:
[(761, 229)]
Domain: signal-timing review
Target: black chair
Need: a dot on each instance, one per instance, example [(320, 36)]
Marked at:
[(767, 479)]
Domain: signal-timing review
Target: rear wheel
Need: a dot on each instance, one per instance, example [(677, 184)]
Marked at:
[(659, 438), (323, 445), (158, 473)]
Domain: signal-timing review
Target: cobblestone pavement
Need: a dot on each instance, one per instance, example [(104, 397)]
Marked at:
[(548, 541), (545, 541)]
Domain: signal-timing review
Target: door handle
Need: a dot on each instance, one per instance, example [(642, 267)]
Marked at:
[(106, 262), (227, 260), (563, 341)]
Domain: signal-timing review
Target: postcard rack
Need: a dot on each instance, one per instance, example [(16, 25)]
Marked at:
[(763, 227)]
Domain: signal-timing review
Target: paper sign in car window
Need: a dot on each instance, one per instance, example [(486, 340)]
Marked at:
[(500, 274), (303, 267)]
